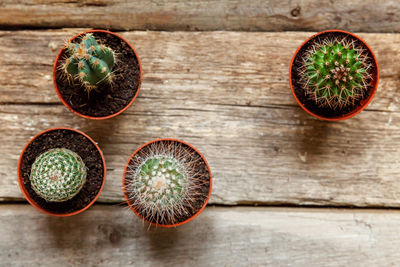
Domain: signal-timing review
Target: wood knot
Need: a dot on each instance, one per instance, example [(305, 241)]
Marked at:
[(295, 12), (114, 237)]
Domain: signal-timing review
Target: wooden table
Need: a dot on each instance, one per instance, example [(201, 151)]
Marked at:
[(288, 189)]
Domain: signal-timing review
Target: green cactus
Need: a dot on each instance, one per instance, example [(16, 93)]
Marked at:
[(335, 73), (162, 181), (58, 174), (89, 62)]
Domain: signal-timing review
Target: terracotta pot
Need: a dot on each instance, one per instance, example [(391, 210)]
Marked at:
[(167, 225), (60, 95), (364, 103), (26, 193)]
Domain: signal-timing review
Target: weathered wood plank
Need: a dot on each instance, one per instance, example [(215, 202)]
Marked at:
[(226, 68), (262, 148), (242, 15), (266, 154), (113, 236)]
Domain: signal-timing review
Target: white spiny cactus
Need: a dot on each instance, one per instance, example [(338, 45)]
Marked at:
[(163, 182)]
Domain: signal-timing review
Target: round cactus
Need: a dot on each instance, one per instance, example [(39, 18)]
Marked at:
[(162, 181), (89, 62), (58, 174), (166, 182), (335, 73)]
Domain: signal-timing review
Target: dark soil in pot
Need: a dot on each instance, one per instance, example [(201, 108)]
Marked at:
[(106, 99), (85, 149), (309, 103), (202, 176)]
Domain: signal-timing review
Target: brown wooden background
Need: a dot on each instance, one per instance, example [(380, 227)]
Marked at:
[(288, 189)]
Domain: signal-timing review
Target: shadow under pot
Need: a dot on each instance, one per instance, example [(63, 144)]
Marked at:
[(167, 182), (97, 74), (334, 75), (61, 171)]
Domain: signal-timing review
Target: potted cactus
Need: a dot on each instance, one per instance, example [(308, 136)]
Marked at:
[(167, 182), (334, 75), (61, 171), (97, 74)]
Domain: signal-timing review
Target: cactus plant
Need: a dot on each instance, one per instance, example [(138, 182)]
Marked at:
[(58, 174), (89, 62), (335, 72), (164, 184), (161, 180)]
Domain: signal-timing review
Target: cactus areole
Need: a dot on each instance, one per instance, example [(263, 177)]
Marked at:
[(167, 182), (61, 171), (334, 75), (97, 74)]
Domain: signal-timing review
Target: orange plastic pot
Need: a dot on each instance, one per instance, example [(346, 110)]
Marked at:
[(65, 102), (364, 103), (25, 192), (166, 225)]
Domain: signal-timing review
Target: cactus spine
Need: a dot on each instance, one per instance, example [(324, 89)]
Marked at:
[(335, 72), (89, 62), (58, 174), (163, 184)]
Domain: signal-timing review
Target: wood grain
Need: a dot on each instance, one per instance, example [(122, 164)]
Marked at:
[(262, 148), (237, 15), (224, 68), (113, 236), (264, 155)]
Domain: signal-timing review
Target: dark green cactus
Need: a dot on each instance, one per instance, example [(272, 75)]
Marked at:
[(89, 62), (335, 73), (58, 174)]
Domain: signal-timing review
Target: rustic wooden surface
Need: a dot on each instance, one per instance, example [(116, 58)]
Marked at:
[(215, 74), (227, 93), (111, 236), (241, 15)]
